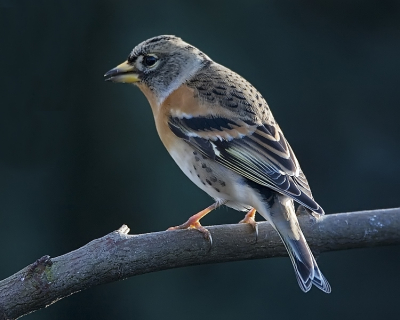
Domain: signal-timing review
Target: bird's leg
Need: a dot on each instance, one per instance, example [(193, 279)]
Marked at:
[(249, 218), (194, 221)]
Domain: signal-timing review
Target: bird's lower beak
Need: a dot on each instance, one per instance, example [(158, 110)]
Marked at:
[(124, 72)]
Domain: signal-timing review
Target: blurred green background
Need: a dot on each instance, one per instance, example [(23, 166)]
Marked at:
[(79, 157)]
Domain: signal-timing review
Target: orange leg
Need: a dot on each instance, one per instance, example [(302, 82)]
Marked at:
[(194, 221), (249, 218)]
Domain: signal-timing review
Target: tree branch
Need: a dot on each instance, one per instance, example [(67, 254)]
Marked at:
[(118, 255)]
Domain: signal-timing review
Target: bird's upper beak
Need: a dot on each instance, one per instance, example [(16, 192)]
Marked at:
[(124, 72)]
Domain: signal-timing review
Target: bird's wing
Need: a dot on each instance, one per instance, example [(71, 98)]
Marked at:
[(256, 151)]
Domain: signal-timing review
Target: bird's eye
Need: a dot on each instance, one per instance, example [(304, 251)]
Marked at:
[(149, 60)]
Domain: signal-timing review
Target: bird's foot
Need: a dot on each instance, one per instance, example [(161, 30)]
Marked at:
[(249, 218), (302, 211), (194, 224)]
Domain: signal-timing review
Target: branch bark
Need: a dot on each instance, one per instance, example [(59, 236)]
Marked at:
[(119, 255)]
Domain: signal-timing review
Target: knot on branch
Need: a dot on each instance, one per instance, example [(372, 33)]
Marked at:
[(39, 273)]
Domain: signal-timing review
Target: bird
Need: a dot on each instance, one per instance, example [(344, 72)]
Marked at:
[(221, 132)]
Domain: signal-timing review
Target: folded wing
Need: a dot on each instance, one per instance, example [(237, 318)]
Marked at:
[(256, 151)]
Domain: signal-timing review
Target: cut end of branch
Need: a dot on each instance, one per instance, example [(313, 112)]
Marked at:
[(124, 229)]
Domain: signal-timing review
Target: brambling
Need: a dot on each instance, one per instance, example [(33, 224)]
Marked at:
[(221, 133)]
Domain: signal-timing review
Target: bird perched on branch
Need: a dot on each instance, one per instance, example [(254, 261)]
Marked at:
[(220, 131)]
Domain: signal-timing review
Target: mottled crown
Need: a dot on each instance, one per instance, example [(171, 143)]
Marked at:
[(163, 43)]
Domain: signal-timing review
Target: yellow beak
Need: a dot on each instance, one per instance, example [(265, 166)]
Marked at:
[(124, 72)]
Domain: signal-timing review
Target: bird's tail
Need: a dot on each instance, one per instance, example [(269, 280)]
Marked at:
[(283, 218), (304, 264)]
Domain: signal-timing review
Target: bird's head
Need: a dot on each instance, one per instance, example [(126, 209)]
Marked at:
[(161, 64)]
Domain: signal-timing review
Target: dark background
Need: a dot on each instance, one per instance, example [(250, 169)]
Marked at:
[(79, 157)]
